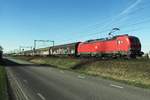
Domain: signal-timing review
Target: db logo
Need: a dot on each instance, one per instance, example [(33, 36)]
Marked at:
[(96, 47)]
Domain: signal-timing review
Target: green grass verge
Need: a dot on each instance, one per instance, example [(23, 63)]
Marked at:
[(135, 72), (3, 84)]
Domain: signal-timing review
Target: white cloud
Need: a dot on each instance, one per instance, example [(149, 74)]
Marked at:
[(124, 13), (127, 10)]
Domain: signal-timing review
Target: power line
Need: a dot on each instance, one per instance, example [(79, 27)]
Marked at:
[(135, 29), (115, 22), (127, 14)]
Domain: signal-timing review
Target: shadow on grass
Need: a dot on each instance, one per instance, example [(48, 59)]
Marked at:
[(84, 62), (10, 63)]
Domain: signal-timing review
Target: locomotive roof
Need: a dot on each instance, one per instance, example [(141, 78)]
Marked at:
[(105, 39)]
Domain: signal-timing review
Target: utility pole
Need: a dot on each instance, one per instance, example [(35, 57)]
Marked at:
[(35, 43)]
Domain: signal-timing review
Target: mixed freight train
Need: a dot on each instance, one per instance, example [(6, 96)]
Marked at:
[(117, 46)]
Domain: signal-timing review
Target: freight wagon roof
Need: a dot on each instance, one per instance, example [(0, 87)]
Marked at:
[(69, 44), (43, 49), (47, 48), (40, 49)]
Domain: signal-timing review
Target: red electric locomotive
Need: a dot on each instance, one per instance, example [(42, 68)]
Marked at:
[(121, 45)]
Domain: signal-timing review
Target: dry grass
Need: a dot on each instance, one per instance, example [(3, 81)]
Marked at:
[(63, 63), (135, 72)]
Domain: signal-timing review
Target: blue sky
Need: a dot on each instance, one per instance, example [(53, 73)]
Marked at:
[(65, 21)]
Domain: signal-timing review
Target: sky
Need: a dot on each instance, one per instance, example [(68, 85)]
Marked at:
[(66, 21)]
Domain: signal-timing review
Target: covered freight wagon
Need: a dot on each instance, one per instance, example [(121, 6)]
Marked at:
[(66, 49)]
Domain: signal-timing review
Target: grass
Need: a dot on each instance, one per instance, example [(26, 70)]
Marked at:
[(135, 72), (3, 84)]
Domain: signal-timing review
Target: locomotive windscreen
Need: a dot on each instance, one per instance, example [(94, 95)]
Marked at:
[(134, 40)]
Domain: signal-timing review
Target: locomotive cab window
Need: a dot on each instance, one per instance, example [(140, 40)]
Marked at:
[(134, 40)]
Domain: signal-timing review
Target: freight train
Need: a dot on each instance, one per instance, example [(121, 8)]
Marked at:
[(116, 46)]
